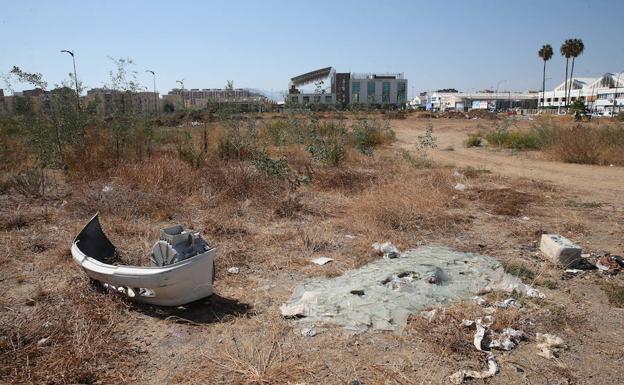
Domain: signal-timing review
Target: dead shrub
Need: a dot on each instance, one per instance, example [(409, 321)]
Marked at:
[(347, 179), (412, 203), (504, 201)]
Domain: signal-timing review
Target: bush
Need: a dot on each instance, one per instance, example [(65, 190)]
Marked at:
[(474, 140)]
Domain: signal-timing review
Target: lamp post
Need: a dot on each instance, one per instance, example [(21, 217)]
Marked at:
[(496, 94), (181, 82), (75, 76), (155, 95)]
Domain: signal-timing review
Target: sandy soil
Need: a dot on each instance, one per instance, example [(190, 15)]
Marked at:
[(604, 183)]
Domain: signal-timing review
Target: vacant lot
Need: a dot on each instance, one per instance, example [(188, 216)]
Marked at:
[(337, 196)]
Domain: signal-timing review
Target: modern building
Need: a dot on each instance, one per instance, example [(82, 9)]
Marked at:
[(379, 89), (600, 94)]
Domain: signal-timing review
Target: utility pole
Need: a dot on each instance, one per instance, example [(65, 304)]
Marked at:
[(75, 76), (181, 82), (155, 94)]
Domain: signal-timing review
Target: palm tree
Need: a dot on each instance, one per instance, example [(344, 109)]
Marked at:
[(576, 49), (566, 50), (546, 53)]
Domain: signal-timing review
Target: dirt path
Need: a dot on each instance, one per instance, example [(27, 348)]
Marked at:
[(602, 182)]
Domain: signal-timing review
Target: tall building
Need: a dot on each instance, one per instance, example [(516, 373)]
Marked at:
[(378, 89)]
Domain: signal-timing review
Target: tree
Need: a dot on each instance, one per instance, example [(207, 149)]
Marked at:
[(546, 53), (566, 51), (576, 49)]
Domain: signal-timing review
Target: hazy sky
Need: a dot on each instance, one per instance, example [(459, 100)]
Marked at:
[(261, 44)]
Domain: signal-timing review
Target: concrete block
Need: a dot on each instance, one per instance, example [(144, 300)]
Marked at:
[(560, 250)]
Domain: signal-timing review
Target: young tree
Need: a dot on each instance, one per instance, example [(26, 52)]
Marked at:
[(546, 53)]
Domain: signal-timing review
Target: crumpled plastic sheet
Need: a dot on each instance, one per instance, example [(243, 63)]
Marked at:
[(382, 294)]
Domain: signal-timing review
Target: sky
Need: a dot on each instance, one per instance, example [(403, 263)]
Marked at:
[(467, 45)]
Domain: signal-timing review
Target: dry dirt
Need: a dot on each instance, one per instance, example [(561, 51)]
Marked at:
[(238, 336)]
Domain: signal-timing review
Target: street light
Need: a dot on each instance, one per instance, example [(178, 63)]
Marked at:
[(75, 76), (182, 94), (155, 95)]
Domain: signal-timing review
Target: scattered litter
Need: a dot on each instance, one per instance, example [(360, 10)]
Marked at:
[(233, 270), (107, 188), (560, 250), (457, 174), (479, 300), (509, 302), (460, 187), (479, 335), (468, 322), (609, 265), (349, 236), (525, 218), (387, 249), (308, 332), (43, 341), (429, 315), (322, 260), (396, 288), (460, 376), (549, 345), (507, 340), (181, 271)]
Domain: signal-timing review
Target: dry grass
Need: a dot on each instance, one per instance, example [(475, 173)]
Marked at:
[(67, 337), (253, 355), (415, 202)]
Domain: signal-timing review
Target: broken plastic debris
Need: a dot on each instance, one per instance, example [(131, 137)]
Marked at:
[(479, 300), (508, 339), (549, 344), (107, 188), (460, 376), (322, 260), (308, 332), (181, 272), (460, 187), (233, 270), (396, 288), (509, 302), (387, 249), (608, 265)]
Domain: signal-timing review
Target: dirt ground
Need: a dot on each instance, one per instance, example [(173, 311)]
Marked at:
[(238, 335)]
